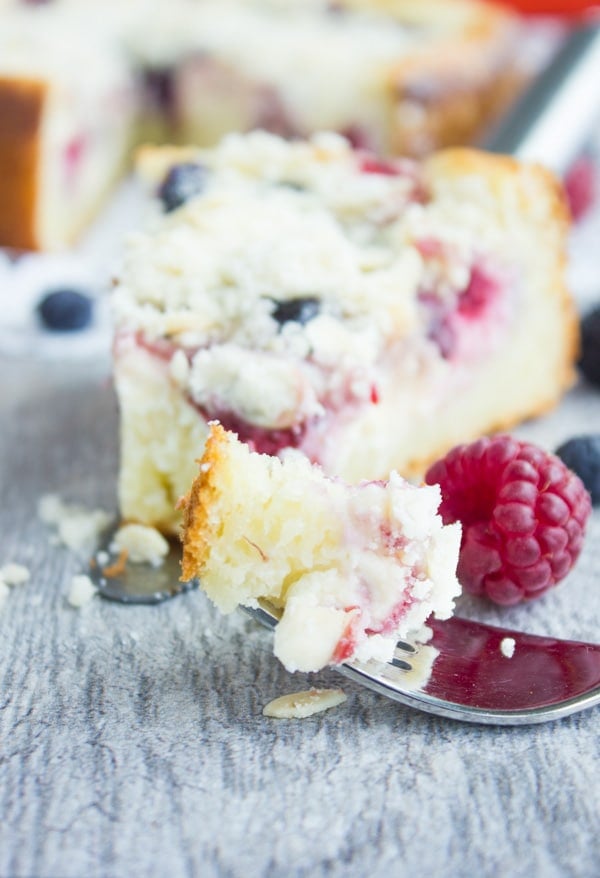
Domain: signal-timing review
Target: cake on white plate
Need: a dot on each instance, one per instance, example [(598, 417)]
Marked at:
[(369, 314), (394, 75), (352, 568)]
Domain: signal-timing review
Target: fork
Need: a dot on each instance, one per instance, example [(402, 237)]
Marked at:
[(462, 672), (468, 676)]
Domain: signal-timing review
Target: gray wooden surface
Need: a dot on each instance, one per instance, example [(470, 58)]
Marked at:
[(132, 741)]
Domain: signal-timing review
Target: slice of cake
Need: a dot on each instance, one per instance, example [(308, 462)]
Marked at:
[(351, 568), (67, 110), (370, 314), (396, 76)]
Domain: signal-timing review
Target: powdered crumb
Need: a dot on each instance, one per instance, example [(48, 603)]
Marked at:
[(507, 646), (3, 593), (82, 590), (179, 368), (143, 544), (77, 528), (298, 705), (14, 574)]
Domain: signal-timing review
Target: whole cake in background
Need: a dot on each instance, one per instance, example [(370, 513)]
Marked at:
[(81, 79), (371, 314)]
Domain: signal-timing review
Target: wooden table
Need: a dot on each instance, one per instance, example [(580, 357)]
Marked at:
[(132, 741)]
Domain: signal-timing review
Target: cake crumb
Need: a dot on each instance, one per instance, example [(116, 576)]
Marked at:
[(507, 646), (76, 527), (179, 368), (298, 705), (143, 544), (82, 591), (14, 574)]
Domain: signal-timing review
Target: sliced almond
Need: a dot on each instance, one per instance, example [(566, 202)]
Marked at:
[(297, 705)]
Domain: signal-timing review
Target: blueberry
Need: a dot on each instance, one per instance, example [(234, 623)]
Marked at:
[(589, 361), (298, 310), (182, 183), (65, 310), (582, 455)]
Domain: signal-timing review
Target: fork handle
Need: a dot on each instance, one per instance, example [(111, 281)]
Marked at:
[(555, 115)]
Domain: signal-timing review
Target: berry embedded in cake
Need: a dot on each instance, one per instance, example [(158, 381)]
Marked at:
[(371, 316), (351, 568)]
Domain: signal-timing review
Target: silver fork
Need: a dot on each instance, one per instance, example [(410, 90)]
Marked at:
[(468, 675), (461, 672)]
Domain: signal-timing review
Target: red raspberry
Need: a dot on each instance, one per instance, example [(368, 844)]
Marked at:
[(523, 514), (581, 186)]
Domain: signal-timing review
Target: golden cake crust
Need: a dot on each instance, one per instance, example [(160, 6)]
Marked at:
[(461, 84), (196, 530), (22, 104)]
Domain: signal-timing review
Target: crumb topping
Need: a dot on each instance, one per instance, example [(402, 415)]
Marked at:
[(81, 591), (75, 526), (14, 574), (284, 285), (140, 544)]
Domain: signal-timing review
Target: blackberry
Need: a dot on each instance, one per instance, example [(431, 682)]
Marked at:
[(589, 361), (65, 310), (582, 455), (182, 183), (298, 310)]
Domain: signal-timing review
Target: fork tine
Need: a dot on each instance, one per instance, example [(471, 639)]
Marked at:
[(400, 663), (405, 646)]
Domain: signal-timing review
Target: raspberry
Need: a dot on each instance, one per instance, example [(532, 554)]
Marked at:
[(580, 187), (523, 514)]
